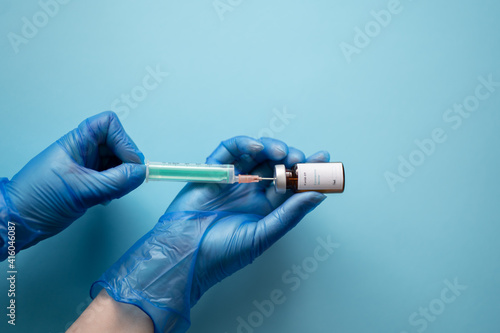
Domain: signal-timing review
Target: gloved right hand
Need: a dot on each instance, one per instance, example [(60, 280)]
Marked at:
[(95, 163), (209, 232)]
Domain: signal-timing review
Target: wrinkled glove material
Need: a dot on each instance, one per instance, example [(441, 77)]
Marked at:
[(22, 234), (156, 274)]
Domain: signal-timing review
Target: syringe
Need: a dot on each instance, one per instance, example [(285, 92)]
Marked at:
[(198, 173)]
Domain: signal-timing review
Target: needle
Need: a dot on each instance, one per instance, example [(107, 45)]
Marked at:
[(251, 179)]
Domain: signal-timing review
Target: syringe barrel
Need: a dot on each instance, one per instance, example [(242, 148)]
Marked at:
[(187, 172)]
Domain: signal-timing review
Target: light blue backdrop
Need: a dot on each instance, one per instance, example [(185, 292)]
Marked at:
[(364, 80)]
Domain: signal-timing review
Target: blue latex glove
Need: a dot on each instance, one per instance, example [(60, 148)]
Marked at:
[(80, 170), (209, 232)]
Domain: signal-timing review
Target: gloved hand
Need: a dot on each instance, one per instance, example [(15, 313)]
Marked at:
[(209, 232), (80, 170)]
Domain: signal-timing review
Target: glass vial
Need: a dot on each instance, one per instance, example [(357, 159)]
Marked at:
[(319, 177)]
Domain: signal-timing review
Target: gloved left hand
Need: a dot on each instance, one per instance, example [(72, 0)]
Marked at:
[(92, 164)]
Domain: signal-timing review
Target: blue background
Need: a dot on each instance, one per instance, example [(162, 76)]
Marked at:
[(228, 75)]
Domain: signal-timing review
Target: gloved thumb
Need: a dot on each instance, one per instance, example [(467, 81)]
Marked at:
[(113, 183), (285, 217)]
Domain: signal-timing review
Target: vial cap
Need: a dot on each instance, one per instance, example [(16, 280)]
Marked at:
[(280, 178)]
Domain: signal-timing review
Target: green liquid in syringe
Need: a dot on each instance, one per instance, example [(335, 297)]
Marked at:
[(190, 172)]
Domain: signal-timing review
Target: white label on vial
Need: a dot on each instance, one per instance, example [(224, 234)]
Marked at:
[(320, 176)]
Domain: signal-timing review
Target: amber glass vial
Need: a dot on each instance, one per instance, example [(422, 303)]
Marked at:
[(319, 177)]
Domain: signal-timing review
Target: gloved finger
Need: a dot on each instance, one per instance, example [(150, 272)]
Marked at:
[(102, 187), (284, 218), (106, 129), (246, 153), (294, 156), (229, 151), (274, 150), (320, 157)]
